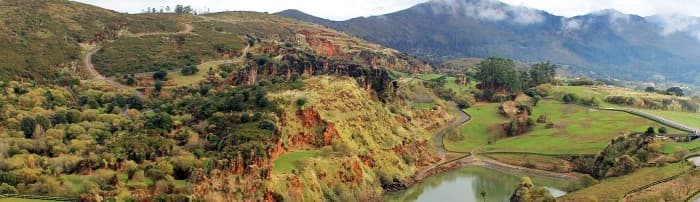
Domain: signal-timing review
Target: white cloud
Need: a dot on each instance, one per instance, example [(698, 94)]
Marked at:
[(679, 23), (525, 15), (571, 8), (571, 25), (488, 10)]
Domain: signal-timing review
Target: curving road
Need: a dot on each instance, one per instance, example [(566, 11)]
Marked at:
[(187, 30), (463, 118), (87, 62)]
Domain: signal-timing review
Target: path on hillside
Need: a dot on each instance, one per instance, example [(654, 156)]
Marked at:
[(187, 30), (87, 62), (90, 67), (463, 118)]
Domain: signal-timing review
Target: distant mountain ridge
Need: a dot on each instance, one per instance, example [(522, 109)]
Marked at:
[(606, 43)]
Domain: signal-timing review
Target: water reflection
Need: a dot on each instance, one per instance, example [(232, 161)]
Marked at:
[(467, 183)]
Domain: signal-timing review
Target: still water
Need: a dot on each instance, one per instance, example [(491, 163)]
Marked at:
[(466, 184)]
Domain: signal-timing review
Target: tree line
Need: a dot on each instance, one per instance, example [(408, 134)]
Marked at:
[(180, 9), (499, 75)]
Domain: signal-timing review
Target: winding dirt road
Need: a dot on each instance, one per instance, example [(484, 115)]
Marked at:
[(439, 146), (87, 63), (87, 60), (187, 30), (463, 118)]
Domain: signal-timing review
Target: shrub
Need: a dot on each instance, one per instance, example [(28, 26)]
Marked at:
[(160, 75), (245, 118), (158, 86), (257, 116), (301, 102), (542, 119), (7, 189), (570, 98), (226, 68), (549, 125), (189, 70), (267, 125)]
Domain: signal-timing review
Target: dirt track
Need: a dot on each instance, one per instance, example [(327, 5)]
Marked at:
[(87, 60)]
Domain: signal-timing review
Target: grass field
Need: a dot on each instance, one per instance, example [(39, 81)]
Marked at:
[(577, 130), (687, 118), (670, 147), (287, 162), (484, 123), (458, 88), (428, 76), (614, 188), (423, 105), (534, 161), (20, 200), (585, 92), (180, 79)]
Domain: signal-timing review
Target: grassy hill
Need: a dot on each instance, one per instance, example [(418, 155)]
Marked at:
[(270, 95), (45, 37)]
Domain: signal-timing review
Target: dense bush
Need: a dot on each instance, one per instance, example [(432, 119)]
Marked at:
[(160, 75), (189, 70)]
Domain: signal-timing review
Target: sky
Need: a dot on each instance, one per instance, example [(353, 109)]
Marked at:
[(345, 9)]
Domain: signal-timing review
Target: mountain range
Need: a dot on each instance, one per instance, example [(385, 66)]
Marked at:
[(604, 44)]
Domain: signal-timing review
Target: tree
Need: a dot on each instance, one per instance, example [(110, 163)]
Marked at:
[(535, 100), (301, 101), (650, 89), (245, 118), (542, 73), (189, 70), (130, 80), (178, 8), (267, 125), (677, 91), (160, 120), (650, 130), (158, 86), (495, 73), (663, 130), (187, 9), (570, 98), (261, 100), (160, 75), (27, 125)]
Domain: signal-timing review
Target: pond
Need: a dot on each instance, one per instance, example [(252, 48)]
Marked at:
[(466, 184)]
